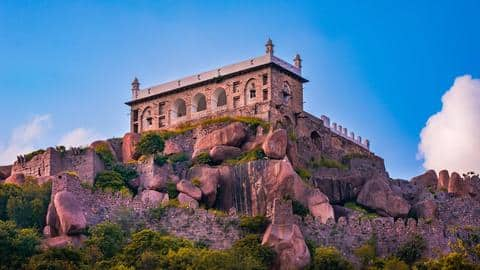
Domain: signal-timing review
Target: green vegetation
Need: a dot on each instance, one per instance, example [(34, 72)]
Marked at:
[(256, 224), (412, 250), (348, 157), (366, 213), (453, 261), (16, 245), (105, 154), (26, 205), (31, 155), (111, 181), (299, 209), (156, 213), (150, 143), (107, 238), (305, 174), (367, 253), (254, 154), (160, 160), (329, 258), (203, 158), (327, 163), (172, 190), (196, 182)]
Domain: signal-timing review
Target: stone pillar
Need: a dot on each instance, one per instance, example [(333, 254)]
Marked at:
[(326, 121)]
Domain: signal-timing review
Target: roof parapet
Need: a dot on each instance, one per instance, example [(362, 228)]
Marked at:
[(343, 131)]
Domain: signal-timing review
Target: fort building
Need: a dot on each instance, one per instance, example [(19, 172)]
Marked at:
[(265, 87)]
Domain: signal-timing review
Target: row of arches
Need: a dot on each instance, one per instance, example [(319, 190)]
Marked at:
[(199, 103)]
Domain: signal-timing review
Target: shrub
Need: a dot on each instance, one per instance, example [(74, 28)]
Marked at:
[(178, 157), (16, 245), (304, 174), (172, 190), (394, 264), (365, 212), (327, 163), (348, 157), (329, 258), (156, 213), (110, 181), (127, 172), (453, 261), (150, 143), (160, 160), (367, 252), (250, 249), (31, 155), (203, 158), (411, 250), (256, 224), (108, 237), (196, 182), (254, 154), (103, 151), (26, 205), (299, 209), (57, 258)]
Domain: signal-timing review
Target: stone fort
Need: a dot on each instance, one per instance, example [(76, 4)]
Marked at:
[(264, 87)]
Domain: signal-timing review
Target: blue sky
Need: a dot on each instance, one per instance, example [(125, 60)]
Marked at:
[(378, 67)]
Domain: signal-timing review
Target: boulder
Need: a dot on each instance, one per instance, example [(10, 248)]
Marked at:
[(154, 198), (275, 145), (459, 186), (443, 178), (63, 241), (189, 189), (427, 180), (172, 147), (222, 152), (376, 194), (52, 221), (319, 206), (129, 143), (233, 134), (209, 179), (286, 238), (254, 142), (5, 171), (152, 176), (70, 214), (426, 209), (187, 201), (15, 179)]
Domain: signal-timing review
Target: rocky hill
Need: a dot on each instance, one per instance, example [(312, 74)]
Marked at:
[(204, 178)]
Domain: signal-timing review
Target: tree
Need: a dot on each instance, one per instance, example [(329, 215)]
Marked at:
[(108, 238), (57, 259), (150, 143), (329, 258), (16, 245)]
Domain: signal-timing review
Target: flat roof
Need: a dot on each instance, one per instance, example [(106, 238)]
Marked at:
[(207, 76)]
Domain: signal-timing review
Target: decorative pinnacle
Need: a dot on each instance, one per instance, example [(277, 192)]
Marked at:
[(135, 84), (269, 47), (297, 61)]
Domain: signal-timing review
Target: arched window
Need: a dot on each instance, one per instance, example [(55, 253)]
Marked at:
[(250, 91), (179, 108), (147, 119), (286, 93), (199, 103), (219, 98)]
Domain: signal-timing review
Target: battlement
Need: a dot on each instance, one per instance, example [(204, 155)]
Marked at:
[(343, 131)]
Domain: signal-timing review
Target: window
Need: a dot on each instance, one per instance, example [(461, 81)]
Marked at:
[(287, 93), (219, 98), (161, 108), (161, 121), (265, 94), (135, 128), (199, 103), (265, 79), (179, 108), (253, 93), (147, 119), (236, 102), (235, 86), (135, 115)]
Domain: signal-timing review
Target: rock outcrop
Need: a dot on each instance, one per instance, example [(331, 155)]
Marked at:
[(209, 179), (275, 144), (285, 237), (154, 198), (71, 219), (376, 194), (223, 152), (426, 209), (443, 178), (187, 201), (172, 147), (233, 134), (15, 179), (129, 143), (189, 189), (427, 180)]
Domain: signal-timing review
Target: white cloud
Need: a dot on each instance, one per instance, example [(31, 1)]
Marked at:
[(451, 138), (79, 137), (24, 138)]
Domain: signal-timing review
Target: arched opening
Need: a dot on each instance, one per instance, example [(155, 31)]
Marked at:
[(147, 119), (219, 98), (199, 103), (250, 91), (286, 93), (179, 108), (315, 137)]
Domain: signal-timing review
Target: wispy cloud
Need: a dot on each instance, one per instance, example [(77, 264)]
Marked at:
[(25, 137), (451, 138), (79, 137)]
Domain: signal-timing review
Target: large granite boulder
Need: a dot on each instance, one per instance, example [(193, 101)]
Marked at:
[(376, 194), (152, 176), (286, 238), (187, 201), (5, 171), (209, 179), (15, 179), (129, 144), (154, 198), (275, 145), (319, 206), (172, 147), (189, 189), (426, 209), (233, 134), (427, 180), (459, 186), (223, 152), (443, 178), (71, 218)]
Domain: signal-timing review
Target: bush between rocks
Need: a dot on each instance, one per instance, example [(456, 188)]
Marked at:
[(256, 224)]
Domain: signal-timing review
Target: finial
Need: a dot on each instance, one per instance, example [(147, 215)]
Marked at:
[(297, 61), (269, 47), (135, 87)]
